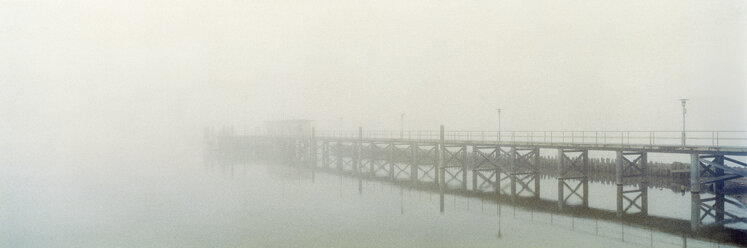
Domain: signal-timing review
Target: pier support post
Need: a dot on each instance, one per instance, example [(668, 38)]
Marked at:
[(358, 156), (391, 160), (325, 153), (512, 171), (695, 191), (357, 163), (436, 164), (313, 149), (718, 190), (465, 164), (373, 151), (441, 178), (585, 184), (561, 197), (474, 173), (340, 155), (536, 173), (440, 173), (619, 183), (414, 162), (497, 184), (313, 154), (498, 171), (643, 184)]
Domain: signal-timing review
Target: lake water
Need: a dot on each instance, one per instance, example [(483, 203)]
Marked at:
[(169, 199)]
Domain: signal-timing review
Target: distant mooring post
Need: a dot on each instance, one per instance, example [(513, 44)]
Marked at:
[(684, 111)]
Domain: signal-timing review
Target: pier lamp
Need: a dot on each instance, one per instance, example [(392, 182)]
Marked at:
[(401, 125), (499, 123), (684, 111)]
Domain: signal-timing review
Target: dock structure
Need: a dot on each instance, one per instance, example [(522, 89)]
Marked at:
[(510, 167)]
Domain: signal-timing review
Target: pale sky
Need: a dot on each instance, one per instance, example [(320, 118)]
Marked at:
[(103, 103), (134, 69)]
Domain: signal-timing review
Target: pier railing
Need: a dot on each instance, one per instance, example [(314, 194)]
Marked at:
[(653, 138)]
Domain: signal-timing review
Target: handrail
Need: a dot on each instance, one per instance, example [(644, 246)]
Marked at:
[(731, 138)]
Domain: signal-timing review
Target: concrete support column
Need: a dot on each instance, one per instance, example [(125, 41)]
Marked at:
[(391, 160), (497, 184), (414, 162), (339, 156), (644, 184), (474, 173), (585, 179), (325, 153), (512, 171), (464, 167), (313, 154), (358, 156), (536, 162), (719, 190), (372, 149), (357, 163), (313, 149), (619, 182), (695, 191), (561, 198), (440, 172)]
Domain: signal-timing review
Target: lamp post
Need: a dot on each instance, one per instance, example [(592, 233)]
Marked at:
[(684, 111), (401, 125), (499, 123)]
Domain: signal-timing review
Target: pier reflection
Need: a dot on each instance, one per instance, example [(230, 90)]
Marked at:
[(598, 220)]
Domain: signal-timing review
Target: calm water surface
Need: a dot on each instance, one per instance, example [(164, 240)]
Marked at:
[(171, 200)]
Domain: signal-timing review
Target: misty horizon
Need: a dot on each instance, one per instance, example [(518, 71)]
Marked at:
[(104, 105)]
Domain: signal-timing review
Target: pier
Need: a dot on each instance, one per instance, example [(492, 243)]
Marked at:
[(507, 168)]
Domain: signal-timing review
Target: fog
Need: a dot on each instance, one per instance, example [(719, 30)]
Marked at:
[(103, 94)]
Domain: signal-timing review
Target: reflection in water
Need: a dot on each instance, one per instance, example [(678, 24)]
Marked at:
[(499, 220), (427, 173), (224, 205), (580, 228)]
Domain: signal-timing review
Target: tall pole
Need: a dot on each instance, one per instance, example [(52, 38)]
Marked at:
[(401, 125), (499, 123), (684, 111)]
